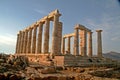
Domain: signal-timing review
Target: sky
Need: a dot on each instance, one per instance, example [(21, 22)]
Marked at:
[(16, 15)]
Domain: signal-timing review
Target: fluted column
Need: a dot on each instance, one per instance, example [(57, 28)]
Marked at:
[(39, 43), (76, 42), (22, 40), (25, 41), (68, 45), (17, 43), (90, 44), (55, 38), (19, 46), (59, 37), (63, 45), (29, 40), (34, 39), (99, 43), (46, 36), (84, 43)]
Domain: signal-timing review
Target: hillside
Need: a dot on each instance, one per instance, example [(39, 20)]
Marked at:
[(112, 55)]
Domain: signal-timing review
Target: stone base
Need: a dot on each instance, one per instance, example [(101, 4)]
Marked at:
[(80, 61)]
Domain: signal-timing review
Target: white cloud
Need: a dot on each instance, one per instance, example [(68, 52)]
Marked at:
[(40, 11), (7, 39), (117, 38)]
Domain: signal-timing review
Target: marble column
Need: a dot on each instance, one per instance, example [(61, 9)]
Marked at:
[(80, 35), (46, 36), (34, 39), (39, 43), (29, 40), (60, 37), (17, 43), (76, 42), (68, 45), (99, 43), (55, 38), (25, 41), (22, 40), (63, 45), (19, 46), (90, 44), (84, 43)]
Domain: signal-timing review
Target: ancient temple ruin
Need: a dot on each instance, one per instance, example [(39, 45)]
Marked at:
[(29, 42)]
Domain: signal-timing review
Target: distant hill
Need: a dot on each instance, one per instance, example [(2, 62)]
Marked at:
[(112, 55)]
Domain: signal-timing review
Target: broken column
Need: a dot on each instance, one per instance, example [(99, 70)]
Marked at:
[(99, 43)]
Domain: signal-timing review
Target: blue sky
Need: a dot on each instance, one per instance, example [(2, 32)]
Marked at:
[(16, 15)]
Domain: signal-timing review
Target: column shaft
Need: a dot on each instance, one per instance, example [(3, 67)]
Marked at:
[(22, 40), (29, 41), (76, 42), (46, 36), (34, 39), (55, 38), (99, 43), (60, 37), (84, 43), (90, 44), (19, 46), (68, 45), (39, 43), (25, 42), (63, 45), (17, 43)]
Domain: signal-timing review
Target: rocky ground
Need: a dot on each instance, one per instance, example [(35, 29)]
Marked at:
[(17, 68)]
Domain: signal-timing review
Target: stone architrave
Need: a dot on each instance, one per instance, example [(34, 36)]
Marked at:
[(46, 36), (34, 39), (76, 42), (39, 43), (55, 38), (90, 44), (99, 43), (22, 40), (63, 45), (29, 40), (25, 41), (60, 37), (17, 43), (69, 44)]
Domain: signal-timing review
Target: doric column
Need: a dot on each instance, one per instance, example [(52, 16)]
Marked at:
[(99, 43), (34, 39), (63, 45), (19, 46), (29, 40), (76, 42), (68, 45), (22, 40), (46, 36), (25, 41), (60, 37), (17, 43), (90, 44), (55, 38), (39, 43), (84, 43)]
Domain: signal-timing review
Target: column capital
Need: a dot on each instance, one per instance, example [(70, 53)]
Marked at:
[(99, 30)]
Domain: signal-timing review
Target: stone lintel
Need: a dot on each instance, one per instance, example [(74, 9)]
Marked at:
[(98, 30)]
